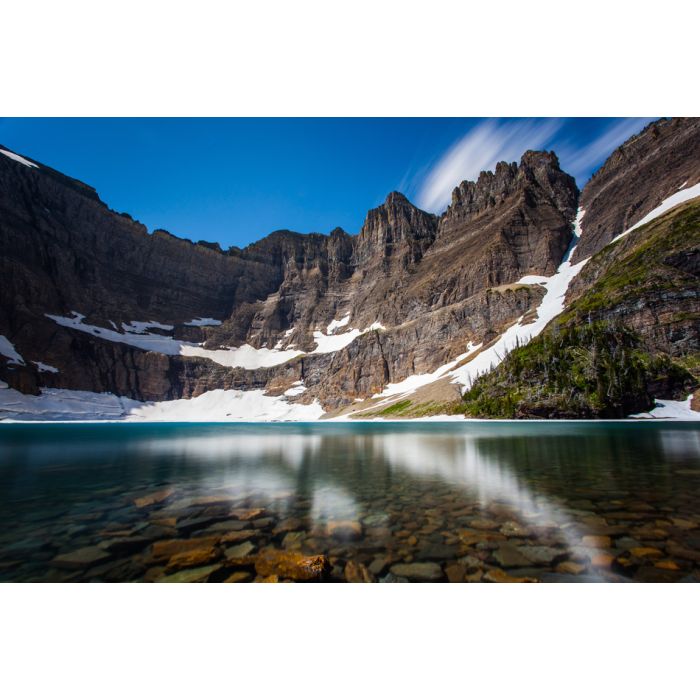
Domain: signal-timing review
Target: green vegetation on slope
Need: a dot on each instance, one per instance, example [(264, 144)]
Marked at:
[(663, 259), (588, 371), (588, 363)]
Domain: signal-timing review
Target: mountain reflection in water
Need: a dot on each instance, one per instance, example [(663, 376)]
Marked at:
[(542, 501)]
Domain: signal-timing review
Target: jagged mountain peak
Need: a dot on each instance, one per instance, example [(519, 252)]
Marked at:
[(538, 169), (396, 197)]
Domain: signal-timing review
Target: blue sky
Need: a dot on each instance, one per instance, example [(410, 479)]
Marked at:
[(235, 180)]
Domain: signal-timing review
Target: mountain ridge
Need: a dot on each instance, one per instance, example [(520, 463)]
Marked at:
[(341, 315)]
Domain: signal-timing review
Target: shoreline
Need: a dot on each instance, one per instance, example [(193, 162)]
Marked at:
[(352, 421)]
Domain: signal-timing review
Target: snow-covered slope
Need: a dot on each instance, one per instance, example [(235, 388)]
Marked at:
[(7, 349), (246, 356), (671, 410), (684, 195), (214, 406), (136, 334), (19, 159)]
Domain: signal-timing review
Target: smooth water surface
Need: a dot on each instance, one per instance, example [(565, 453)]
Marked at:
[(391, 502)]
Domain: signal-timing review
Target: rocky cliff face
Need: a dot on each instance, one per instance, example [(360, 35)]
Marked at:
[(344, 314), (631, 333), (423, 280), (637, 177)]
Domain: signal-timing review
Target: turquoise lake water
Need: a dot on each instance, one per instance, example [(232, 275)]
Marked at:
[(467, 502)]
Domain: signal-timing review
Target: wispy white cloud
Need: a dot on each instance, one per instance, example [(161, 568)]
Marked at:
[(580, 161), (480, 149)]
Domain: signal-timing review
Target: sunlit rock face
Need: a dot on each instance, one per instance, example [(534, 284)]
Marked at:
[(66, 255)]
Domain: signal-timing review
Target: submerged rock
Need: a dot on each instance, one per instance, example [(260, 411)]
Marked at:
[(153, 498), (165, 549), (357, 573), (378, 566), (193, 558), (500, 576), (81, 558), (240, 550), (246, 513), (197, 575), (455, 573), (345, 530), (540, 555), (292, 565), (509, 556), (418, 571), (239, 577)]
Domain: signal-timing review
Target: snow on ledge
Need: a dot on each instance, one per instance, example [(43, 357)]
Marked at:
[(245, 356), (7, 349), (42, 367), (668, 204), (203, 322), (19, 159), (296, 389), (330, 328), (333, 343), (142, 326)]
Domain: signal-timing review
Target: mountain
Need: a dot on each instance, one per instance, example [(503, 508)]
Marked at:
[(637, 177), (406, 313)]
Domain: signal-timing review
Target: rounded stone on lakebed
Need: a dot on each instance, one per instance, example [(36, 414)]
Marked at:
[(418, 571), (80, 558), (344, 530)]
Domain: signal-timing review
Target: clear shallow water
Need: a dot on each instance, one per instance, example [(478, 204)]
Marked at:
[(459, 502)]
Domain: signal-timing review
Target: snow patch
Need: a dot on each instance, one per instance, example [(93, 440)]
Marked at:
[(415, 381), (330, 328), (143, 326), (42, 367), (219, 405), (203, 322), (246, 356), (296, 389), (673, 410), (668, 204), (333, 343), (7, 349), (19, 159), (62, 404)]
